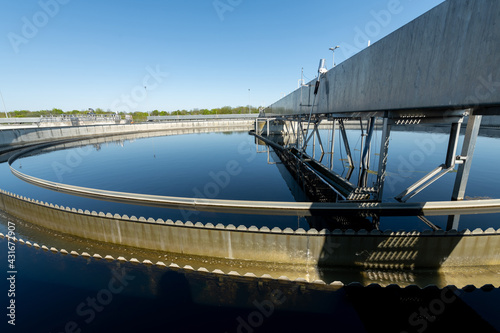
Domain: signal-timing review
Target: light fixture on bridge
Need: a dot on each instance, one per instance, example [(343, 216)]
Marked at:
[(333, 51), (322, 68)]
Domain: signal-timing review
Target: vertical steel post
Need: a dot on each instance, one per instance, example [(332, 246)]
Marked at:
[(453, 222), (333, 143), (366, 151), (362, 171), (361, 149), (470, 139), (298, 129), (346, 143), (301, 129), (293, 130), (382, 162), (314, 145)]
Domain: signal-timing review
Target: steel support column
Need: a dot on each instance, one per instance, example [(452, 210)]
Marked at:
[(346, 143), (382, 162), (452, 144), (470, 139), (366, 152), (333, 143)]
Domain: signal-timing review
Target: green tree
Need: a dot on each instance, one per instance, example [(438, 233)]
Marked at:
[(140, 116)]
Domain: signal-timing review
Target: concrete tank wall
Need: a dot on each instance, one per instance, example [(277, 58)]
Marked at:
[(297, 247), (12, 138)]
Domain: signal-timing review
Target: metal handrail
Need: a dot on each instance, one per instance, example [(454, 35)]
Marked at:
[(203, 117), (435, 208), (54, 119)]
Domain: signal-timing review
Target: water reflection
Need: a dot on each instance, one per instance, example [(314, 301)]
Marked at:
[(101, 296), (306, 185)]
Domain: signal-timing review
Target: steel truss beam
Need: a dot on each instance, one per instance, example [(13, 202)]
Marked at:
[(388, 120)]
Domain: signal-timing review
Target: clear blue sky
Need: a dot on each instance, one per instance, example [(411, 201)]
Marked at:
[(75, 54)]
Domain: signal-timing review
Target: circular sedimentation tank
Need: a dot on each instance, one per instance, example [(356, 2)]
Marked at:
[(307, 264)]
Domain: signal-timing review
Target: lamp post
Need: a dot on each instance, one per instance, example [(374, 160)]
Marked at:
[(333, 51)]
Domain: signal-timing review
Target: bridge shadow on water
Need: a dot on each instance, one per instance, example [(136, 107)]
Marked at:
[(62, 293), (355, 238)]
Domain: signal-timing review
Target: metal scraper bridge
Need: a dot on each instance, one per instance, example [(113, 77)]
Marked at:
[(399, 82)]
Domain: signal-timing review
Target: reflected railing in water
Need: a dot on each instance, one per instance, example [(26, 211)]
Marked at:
[(307, 187), (172, 296)]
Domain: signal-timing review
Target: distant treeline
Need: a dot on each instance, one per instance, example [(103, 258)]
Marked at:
[(138, 115)]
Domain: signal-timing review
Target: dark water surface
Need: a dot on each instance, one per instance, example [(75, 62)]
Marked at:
[(61, 293), (229, 165)]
